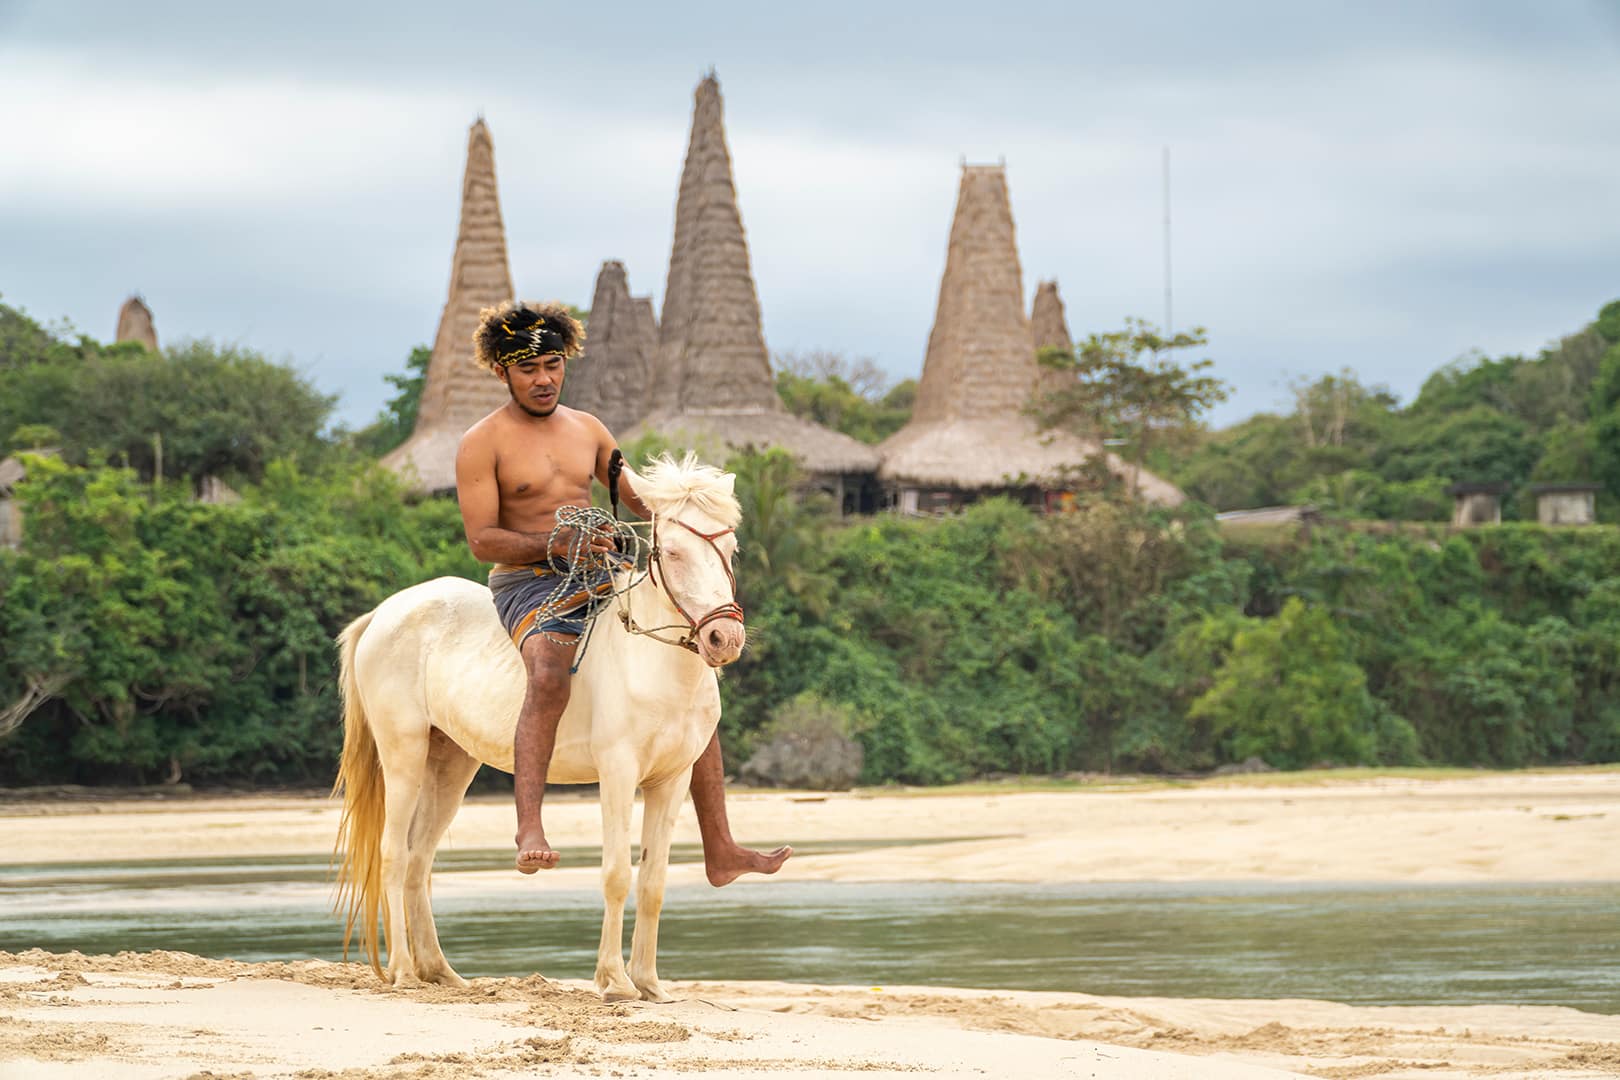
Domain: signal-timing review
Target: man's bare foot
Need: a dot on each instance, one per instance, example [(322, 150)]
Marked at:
[(536, 854), (728, 866)]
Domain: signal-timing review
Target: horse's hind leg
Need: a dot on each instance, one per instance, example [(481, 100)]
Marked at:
[(449, 770), (404, 755), (661, 804), (618, 799)]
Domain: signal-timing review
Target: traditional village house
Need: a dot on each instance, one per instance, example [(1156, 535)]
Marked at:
[(609, 379), (1477, 503), (457, 393), (969, 434), (711, 383), (1565, 504), (135, 324)]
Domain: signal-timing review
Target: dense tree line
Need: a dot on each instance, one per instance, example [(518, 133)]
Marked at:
[(146, 636), (1355, 450)]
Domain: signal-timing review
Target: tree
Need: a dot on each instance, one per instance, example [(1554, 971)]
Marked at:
[(398, 417), (1127, 387), (852, 397)]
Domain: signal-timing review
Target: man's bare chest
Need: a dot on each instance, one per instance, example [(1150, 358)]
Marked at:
[(541, 474)]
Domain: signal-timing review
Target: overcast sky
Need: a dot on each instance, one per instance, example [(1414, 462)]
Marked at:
[(1382, 186)]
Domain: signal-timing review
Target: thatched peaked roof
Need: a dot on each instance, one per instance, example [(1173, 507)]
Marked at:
[(135, 324), (1050, 330), (818, 449), (609, 380), (711, 348), (712, 378), (979, 360), (458, 393), (969, 430), (1047, 322), (1002, 452)]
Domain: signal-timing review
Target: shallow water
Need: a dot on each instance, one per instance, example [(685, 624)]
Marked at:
[(1365, 944)]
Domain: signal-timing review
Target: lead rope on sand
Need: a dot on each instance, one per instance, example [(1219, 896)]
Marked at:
[(579, 562)]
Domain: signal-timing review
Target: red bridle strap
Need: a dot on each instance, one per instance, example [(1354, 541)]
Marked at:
[(732, 610)]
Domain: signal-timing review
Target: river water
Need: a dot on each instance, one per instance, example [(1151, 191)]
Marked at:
[(1365, 944)]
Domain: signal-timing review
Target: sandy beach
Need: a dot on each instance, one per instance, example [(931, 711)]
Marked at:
[(169, 1014)]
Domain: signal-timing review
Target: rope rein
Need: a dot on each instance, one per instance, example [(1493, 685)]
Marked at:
[(579, 526)]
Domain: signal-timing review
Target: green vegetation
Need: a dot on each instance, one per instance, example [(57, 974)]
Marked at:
[(1352, 450), (146, 636), (854, 398)]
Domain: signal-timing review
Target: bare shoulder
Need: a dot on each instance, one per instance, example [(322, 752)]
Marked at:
[(479, 440), (589, 423)]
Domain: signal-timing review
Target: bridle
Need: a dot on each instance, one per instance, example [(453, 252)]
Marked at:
[(655, 567)]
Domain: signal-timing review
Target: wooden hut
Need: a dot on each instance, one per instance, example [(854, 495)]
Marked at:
[(711, 383), (458, 393), (969, 434)]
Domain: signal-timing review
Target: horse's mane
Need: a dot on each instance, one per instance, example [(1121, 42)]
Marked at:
[(668, 485)]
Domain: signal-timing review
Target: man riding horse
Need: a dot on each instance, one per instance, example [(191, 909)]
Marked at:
[(514, 470)]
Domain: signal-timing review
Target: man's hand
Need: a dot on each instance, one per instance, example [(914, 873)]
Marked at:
[(600, 542)]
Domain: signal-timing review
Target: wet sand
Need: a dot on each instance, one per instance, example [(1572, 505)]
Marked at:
[(166, 1014)]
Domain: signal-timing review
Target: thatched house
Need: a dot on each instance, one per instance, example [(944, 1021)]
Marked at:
[(458, 393), (969, 434), (609, 379), (135, 324), (712, 381)]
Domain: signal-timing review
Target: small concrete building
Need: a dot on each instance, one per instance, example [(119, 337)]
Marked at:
[(1565, 504), (1477, 503)]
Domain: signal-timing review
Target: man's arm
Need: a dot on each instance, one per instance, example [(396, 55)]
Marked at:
[(480, 499), (627, 493)]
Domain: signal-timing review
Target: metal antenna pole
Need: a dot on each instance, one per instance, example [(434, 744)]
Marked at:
[(1168, 321)]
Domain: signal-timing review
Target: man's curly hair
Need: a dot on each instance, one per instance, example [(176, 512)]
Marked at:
[(522, 330)]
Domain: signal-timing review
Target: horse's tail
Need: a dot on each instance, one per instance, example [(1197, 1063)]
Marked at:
[(360, 779)]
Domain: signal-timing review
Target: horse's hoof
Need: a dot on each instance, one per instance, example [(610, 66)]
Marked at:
[(614, 994), (655, 993), (404, 980), (446, 978)]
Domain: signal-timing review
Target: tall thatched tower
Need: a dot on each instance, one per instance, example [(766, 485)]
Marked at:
[(457, 393), (609, 380), (712, 379), (969, 433), (135, 324), (711, 349), (1050, 330)]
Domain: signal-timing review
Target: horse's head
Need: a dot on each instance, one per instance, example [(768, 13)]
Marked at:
[(695, 518)]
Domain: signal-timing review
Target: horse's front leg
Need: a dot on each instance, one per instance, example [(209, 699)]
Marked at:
[(661, 804), (618, 797)]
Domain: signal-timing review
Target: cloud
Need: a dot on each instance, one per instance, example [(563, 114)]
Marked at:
[(1383, 188)]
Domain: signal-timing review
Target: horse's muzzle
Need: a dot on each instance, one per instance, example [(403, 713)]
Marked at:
[(720, 642)]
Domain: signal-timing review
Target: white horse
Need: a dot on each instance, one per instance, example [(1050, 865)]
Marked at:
[(432, 687)]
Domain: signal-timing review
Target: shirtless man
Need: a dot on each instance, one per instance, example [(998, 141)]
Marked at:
[(514, 469)]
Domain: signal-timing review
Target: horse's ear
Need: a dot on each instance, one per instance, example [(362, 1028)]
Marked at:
[(730, 481)]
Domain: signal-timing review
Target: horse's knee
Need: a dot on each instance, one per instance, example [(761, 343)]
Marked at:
[(615, 883)]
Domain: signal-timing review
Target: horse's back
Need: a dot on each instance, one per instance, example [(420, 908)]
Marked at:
[(435, 655)]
